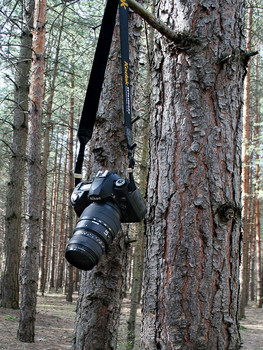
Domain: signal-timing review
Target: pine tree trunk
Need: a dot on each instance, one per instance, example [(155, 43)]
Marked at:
[(44, 237), (54, 210), (245, 184), (191, 274), (102, 289), (257, 188), (71, 215), (45, 231), (12, 243), (30, 257), (46, 234), (259, 257), (53, 219), (136, 285), (139, 246), (62, 229), (252, 266), (43, 271)]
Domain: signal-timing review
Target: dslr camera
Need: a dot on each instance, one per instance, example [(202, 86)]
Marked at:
[(101, 205)]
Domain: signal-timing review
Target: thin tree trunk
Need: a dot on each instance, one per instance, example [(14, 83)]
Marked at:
[(62, 226), (192, 253), (259, 257), (45, 223), (52, 216), (47, 226), (71, 215), (44, 240), (30, 262), (139, 246), (12, 242), (43, 273), (257, 199), (253, 264), (136, 284), (130, 269), (54, 210), (76, 279), (245, 178)]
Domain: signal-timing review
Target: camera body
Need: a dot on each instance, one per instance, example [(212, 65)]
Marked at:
[(110, 187), (101, 206)]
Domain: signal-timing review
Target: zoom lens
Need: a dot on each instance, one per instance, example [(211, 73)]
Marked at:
[(95, 230)]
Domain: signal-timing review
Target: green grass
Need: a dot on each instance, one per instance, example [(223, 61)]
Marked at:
[(11, 318)]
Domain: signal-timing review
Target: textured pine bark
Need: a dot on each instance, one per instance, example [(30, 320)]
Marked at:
[(194, 186), (30, 256), (102, 289), (12, 243)]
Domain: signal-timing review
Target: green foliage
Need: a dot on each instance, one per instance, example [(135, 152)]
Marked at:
[(11, 318), (79, 33), (123, 343)]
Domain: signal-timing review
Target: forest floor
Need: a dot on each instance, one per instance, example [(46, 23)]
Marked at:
[(55, 323), (251, 328)]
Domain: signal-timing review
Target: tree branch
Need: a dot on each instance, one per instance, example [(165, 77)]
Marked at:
[(179, 38)]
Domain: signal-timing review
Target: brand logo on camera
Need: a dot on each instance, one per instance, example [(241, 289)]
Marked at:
[(95, 198)]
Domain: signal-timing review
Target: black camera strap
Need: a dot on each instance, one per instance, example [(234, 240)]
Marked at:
[(124, 34), (92, 98)]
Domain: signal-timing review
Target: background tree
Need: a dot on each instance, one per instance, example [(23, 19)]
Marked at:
[(13, 216), (70, 216), (70, 42), (43, 265), (257, 220), (143, 88), (191, 282), (246, 179), (29, 268), (252, 170)]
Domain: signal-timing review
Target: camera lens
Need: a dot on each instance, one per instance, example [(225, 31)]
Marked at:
[(95, 230)]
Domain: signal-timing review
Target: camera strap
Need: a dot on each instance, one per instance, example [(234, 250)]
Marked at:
[(92, 97)]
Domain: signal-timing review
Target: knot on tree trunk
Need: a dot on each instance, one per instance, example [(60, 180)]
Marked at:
[(228, 211)]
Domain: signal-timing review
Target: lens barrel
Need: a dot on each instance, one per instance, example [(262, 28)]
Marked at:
[(95, 230)]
